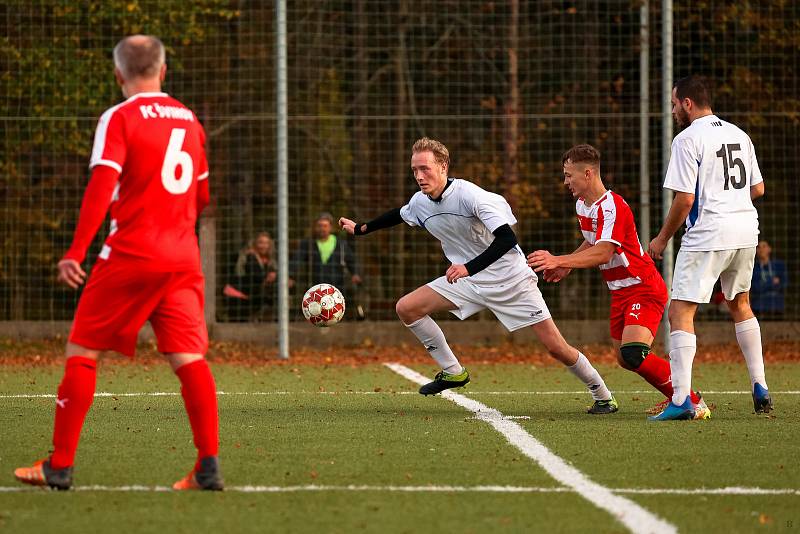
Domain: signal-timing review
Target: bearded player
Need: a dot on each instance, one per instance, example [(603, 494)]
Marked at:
[(714, 173), (148, 164), (638, 293)]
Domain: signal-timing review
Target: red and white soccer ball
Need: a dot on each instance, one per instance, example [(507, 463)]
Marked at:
[(323, 305)]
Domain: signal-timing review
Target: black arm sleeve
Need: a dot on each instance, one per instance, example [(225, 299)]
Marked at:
[(504, 240), (387, 220)]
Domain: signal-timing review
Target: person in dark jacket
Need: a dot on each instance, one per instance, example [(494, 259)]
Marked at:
[(324, 259), (252, 292), (769, 283)]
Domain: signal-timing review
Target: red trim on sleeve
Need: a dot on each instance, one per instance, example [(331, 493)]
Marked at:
[(623, 219), (94, 207), (600, 219)]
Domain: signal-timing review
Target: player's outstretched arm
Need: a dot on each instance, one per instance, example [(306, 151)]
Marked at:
[(678, 211), (387, 220), (591, 256), (347, 225), (559, 273)]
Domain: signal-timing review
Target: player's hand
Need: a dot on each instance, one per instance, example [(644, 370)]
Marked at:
[(542, 260), (70, 273), (347, 225), (355, 279), (455, 272), (656, 248), (556, 275)]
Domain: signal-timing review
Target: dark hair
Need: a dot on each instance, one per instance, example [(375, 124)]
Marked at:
[(695, 88), (324, 216), (582, 154)]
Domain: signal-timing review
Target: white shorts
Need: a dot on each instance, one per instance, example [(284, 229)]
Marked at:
[(696, 272), (517, 303)]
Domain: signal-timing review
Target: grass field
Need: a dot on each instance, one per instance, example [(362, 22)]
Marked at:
[(343, 448)]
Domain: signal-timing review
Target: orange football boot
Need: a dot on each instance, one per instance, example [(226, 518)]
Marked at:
[(41, 474), (208, 477)]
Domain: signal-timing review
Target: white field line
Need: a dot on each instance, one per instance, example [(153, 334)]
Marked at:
[(627, 512), (424, 489), (103, 394)]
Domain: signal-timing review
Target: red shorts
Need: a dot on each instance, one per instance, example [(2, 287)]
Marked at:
[(642, 305), (119, 298)]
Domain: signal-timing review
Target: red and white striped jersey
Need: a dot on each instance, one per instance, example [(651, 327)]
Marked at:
[(611, 219)]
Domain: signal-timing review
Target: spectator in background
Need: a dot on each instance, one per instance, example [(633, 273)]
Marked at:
[(252, 292), (325, 259), (769, 283)]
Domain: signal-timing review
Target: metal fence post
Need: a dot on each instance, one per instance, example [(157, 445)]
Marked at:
[(282, 151), (666, 145)]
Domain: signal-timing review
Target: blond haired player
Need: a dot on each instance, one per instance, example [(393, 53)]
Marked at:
[(487, 271)]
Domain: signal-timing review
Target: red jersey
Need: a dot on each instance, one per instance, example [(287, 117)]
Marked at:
[(157, 145), (611, 219)]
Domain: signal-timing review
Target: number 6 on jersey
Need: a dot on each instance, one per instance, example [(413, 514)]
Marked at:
[(174, 158)]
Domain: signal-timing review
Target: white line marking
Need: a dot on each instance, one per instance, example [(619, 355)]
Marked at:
[(104, 394), (506, 417), (630, 514), (319, 488), (425, 489), (730, 490)]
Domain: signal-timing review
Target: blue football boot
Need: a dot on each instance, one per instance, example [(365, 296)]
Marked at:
[(762, 403), (675, 412)]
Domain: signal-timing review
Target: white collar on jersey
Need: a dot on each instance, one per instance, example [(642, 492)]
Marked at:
[(598, 201), (148, 94), (706, 118)]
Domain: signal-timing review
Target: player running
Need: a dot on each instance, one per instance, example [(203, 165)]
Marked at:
[(149, 165), (488, 271), (715, 176), (638, 293)]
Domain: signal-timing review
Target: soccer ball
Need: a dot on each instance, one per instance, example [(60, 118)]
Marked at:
[(323, 305)]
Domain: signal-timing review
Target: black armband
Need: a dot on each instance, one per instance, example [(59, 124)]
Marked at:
[(387, 220), (504, 240)]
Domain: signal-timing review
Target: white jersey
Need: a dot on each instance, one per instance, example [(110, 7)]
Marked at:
[(715, 161), (463, 220)]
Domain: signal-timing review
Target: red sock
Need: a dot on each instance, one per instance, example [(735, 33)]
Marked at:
[(657, 373), (200, 397), (75, 396)]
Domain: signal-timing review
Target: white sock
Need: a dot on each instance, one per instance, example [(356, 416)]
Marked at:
[(432, 337), (684, 347), (748, 334), (588, 375)]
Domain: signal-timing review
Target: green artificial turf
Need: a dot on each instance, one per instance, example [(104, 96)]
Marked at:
[(364, 426)]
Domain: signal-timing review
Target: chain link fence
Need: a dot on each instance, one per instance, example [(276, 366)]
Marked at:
[(508, 86)]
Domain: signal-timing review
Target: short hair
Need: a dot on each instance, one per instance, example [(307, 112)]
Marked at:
[(440, 152), (582, 154), (139, 56), (324, 216), (696, 88)]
